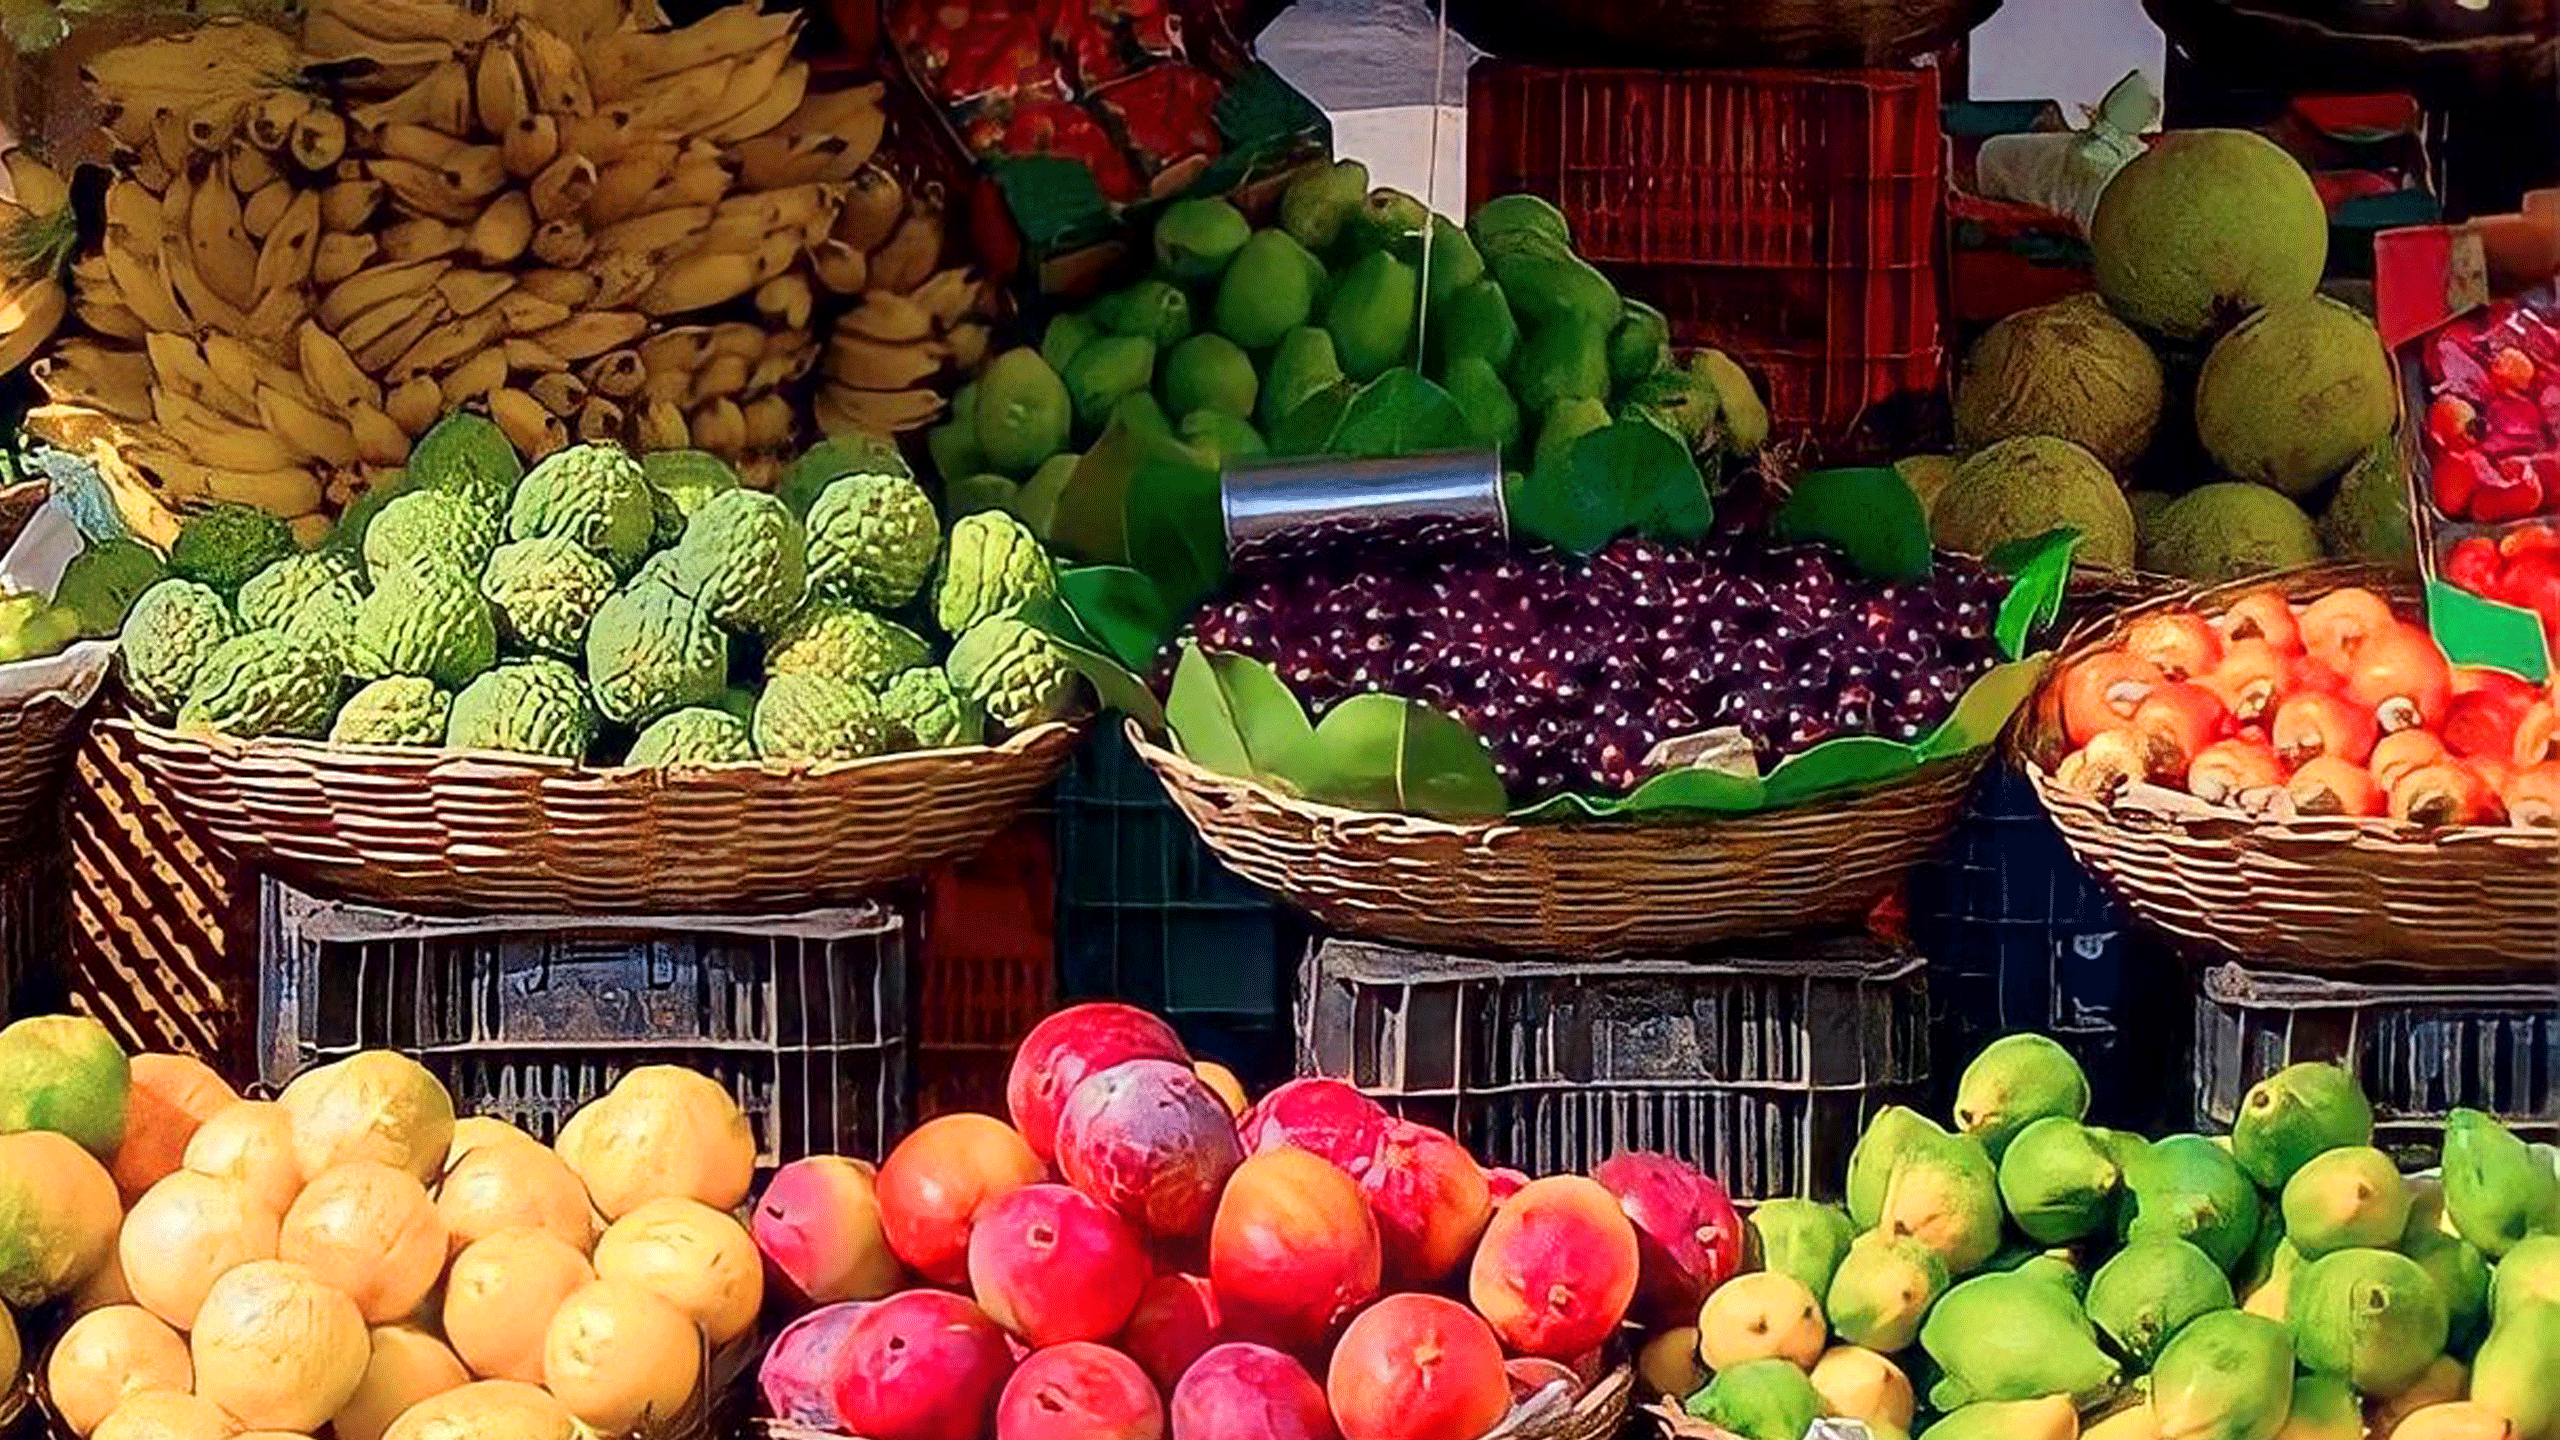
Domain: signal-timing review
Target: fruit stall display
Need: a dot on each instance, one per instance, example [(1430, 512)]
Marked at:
[(2026, 1275)]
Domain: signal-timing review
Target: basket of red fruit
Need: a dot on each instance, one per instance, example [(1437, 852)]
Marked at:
[(2288, 769)]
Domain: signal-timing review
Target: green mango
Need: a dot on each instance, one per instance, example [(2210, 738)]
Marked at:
[(1561, 361), (1476, 322), (2057, 1181), (1509, 215), (2149, 1290), (1023, 412), (2013, 1337), (1568, 422), (971, 494), (1371, 315), (2460, 1271), (1455, 265), (2054, 1267), (1745, 414), (1893, 1132), (1067, 332), (1102, 373), (1152, 310), (1759, 1400), (1388, 222), (953, 444), (1208, 372), (1221, 436), (1945, 1194), (1319, 204), (1196, 238), (1639, 344), (1269, 290), (1547, 283), (2270, 1293), (1037, 504), (2528, 1272), (2186, 1187), (1139, 413), (2496, 1188), (2517, 1372), (1883, 1288), (1801, 1238), (2018, 1079), (2048, 1418), (2225, 1376), (2324, 1408), (1493, 418), (1681, 402), (2343, 1199), (2295, 1114), (1301, 365), (2371, 1316)]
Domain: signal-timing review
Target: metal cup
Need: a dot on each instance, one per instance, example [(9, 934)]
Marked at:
[(1276, 506)]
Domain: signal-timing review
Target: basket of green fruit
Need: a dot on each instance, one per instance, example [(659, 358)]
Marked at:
[(604, 681), (61, 598)]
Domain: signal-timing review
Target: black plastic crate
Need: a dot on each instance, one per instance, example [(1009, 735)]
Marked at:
[(35, 929), (806, 1018), (1146, 914), (2420, 1050), (1761, 1070)]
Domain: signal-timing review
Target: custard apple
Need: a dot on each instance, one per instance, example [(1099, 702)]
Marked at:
[(650, 651), (1016, 673), (993, 567), (263, 683), (225, 545), (173, 628), (468, 456), (395, 710), (431, 525), (846, 641), (872, 539), (744, 559), (348, 537), (424, 618), (818, 717), (736, 700), (103, 581), (593, 494), (933, 715), (312, 598), (543, 591), (526, 707), (696, 735), (680, 481), (834, 458)]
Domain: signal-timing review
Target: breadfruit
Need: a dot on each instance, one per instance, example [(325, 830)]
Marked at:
[(2226, 530), (173, 628), (696, 735), (543, 592), (395, 710), (2069, 369), (2368, 518), (528, 707), (2299, 392), (2204, 227), (2022, 488), (263, 683), (872, 539)]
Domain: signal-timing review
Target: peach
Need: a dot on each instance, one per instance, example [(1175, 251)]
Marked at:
[(933, 1185), (1688, 1235), (1151, 1141), (1431, 1201), (818, 1228), (1294, 1250), (1417, 1367), (1325, 1117), (1176, 1323), (1079, 1391), (169, 1097), (1557, 1268), (1062, 1050), (1249, 1392), (798, 1375), (921, 1365), (1051, 1265), (1503, 1182)]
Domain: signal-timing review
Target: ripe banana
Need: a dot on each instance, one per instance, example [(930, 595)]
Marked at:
[(348, 205), (380, 439), (563, 243), (601, 137), (526, 313), (419, 144), (761, 94), (468, 292), (142, 282), (378, 335), (341, 256), (870, 365), (656, 234), (533, 430), (331, 373), (718, 426), (425, 190), (563, 187), (769, 423), (498, 88), (675, 103), (476, 171), (530, 144), (440, 99), (906, 260), (560, 392), (948, 295), (592, 333), (473, 378), (968, 346), (719, 375), (636, 60), (554, 75), (249, 168), (312, 435), (412, 241), (571, 288), (261, 208), (525, 356), (599, 420), (318, 139), (369, 290), (502, 232), (699, 282), (444, 345), (111, 320), (217, 243), (843, 411), (622, 279), (701, 177), (269, 125), (624, 184), (30, 312), (787, 300), (413, 404), (616, 374), (661, 425)]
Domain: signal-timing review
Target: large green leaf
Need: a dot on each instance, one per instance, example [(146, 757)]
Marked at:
[(2040, 571), (1870, 514), (1399, 413), (1985, 707), (1091, 521), (1701, 790), (2488, 634), (1122, 609), (1836, 767), (1309, 429), (1631, 475), (1176, 523), (1230, 714), (1384, 752), (1119, 687)]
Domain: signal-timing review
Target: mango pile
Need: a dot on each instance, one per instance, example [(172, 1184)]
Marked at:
[(1236, 328), (2028, 1276)]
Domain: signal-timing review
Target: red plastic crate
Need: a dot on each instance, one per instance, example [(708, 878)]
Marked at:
[(990, 969), (1791, 217)]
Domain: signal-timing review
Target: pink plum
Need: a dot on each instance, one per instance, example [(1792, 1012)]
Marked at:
[(1063, 1049), (1051, 1265), (1079, 1391), (1151, 1141), (1249, 1392), (1688, 1235)]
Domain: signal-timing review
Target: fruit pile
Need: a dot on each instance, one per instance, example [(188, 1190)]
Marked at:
[(2060, 1279), (2337, 707), (1141, 1254), (1573, 669), (316, 241), (1239, 328), (2208, 247), (602, 607), (350, 1256), (2519, 566), (2493, 413)]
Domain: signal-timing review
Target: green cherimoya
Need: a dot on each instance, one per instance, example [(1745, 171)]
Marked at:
[(872, 539), (431, 525), (2022, 488), (174, 627), (933, 714), (394, 710), (2070, 369), (2295, 395), (263, 682), (543, 591), (102, 582), (744, 559), (2204, 227), (681, 482), (1013, 672), (424, 619), (468, 456), (807, 716), (526, 707), (837, 456), (313, 597), (225, 545), (993, 566), (848, 642), (594, 494), (650, 651), (695, 735)]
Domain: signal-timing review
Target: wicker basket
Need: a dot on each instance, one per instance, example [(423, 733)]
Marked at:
[(1599, 889), (44, 705), (445, 830), (1719, 33), (2319, 895), (2287, 46)]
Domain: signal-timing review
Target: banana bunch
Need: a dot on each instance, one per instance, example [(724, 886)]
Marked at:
[(36, 232), (909, 325), (565, 213)]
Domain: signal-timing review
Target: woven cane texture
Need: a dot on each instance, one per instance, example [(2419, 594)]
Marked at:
[(1598, 889), (457, 830), (2325, 895), (39, 730)]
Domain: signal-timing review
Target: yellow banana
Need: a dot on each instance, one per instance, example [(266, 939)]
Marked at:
[(699, 282), (237, 372), (29, 315), (968, 345), (947, 295), (414, 241), (843, 411), (907, 259), (787, 299), (778, 93), (874, 203), (306, 430), (209, 309), (782, 365), (359, 293), (223, 442), (600, 421), (888, 317), (660, 425), (632, 61), (553, 74), (623, 184), (141, 283), (132, 208), (394, 21), (503, 230), (656, 233), (718, 426), (111, 320), (413, 405), (786, 157), (525, 313), (700, 177), (870, 365), (444, 345), (623, 278), (526, 357), (473, 378), (616, 374), (769, 423), (563, 243), (592, 333), (736, 337), (348, 205), (378, 353), (318, 139), (468, 292), (249, 168), (276, 313), (841, 268), (439, 99), (262, 207), (602, 137), (330, 373), (676, 103), (418, 144), (498, 88), (560, 392), (533, 430), (288, 490), (777, 254), (677, 349), (269, 125), (117, 381), (380, 439), (563, 187), (217, 243), (424, 190), (530, 144), (291, 245), (719, 375), (338, 257), (569, 288), (476, 171)]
